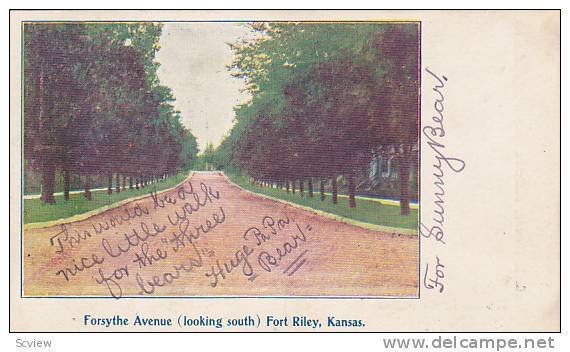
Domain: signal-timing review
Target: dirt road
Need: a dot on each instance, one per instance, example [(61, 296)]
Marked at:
[(209, 237)]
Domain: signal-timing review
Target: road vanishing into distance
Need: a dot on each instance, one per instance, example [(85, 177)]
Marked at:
[(209, 237)]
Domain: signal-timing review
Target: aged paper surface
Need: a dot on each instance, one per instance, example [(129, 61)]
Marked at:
[(202, 241)]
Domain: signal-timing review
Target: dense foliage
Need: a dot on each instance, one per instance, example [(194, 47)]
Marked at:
[(93, 105), (324, 98)]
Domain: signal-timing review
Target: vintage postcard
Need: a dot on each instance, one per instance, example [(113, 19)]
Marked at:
[(285, 171)]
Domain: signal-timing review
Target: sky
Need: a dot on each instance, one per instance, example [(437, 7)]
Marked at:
[(192, 61)]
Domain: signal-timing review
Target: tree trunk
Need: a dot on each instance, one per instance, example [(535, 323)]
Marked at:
[(351, 191), (302, 187), (334, 190), (310, 187), (124, 182), (287, 186), (322, 189), (48, 177), (137, 183), (48, 168), (66, 177), (118, 182), (130, 182), (87, 192), (110, 184), (293, 185), (404, 180), (40, 109)]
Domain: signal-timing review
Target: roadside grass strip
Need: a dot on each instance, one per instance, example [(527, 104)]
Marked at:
[(376, 216), (38, 215)]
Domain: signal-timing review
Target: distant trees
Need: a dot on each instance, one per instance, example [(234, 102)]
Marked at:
[(324, 96), (93, 105)]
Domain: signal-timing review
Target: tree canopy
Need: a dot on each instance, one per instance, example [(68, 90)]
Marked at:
[(93, 104), (324, 97)]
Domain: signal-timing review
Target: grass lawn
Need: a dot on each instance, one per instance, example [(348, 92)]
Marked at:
[(37, 211), (366, 210)]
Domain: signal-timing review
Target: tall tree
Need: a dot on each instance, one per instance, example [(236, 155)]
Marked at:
[(332, 94), (94, 104), (52, 96)]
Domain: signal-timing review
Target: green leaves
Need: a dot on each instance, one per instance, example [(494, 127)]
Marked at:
[(324, 95), (93, 100)]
